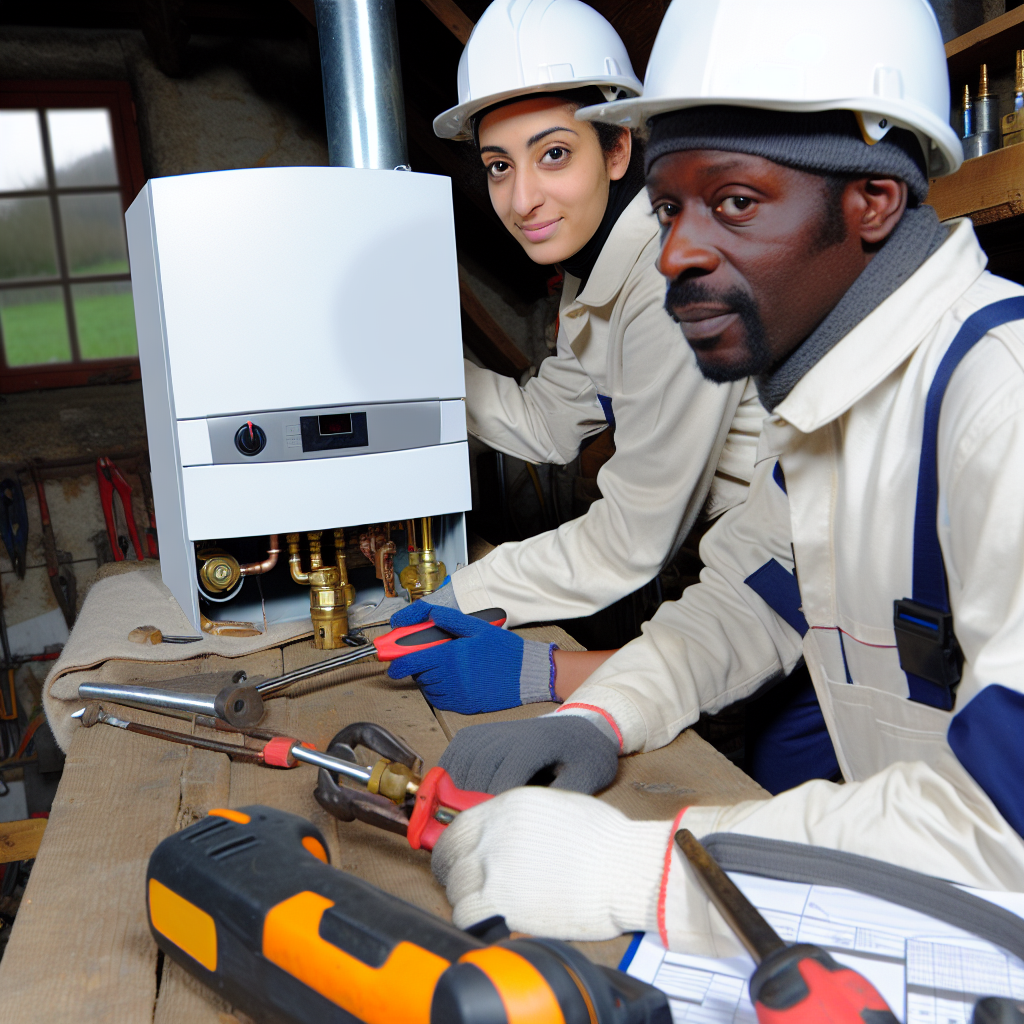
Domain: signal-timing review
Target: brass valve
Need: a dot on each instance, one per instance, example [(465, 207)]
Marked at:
[(328, 600), (339, 549), (218, 571), (424, 574), (327, 608), (393, 780)]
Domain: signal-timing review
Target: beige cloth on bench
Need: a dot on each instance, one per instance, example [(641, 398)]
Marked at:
[(99, 651)]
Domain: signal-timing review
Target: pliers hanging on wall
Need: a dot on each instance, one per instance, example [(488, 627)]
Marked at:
[(110, 480), (14, 523)]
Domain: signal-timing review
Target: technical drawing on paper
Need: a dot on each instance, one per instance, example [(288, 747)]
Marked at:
[(929, 972)]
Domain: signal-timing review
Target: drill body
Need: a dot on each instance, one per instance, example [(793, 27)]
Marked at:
[(247, 902)]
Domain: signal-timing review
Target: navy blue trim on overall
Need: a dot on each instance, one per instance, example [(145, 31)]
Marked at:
[(929, 654), (985, 736), (787, 741)]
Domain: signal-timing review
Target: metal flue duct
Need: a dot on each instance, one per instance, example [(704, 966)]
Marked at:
[(362, 83)]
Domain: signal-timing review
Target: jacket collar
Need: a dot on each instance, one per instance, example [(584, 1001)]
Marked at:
[(632, 233), (888, 335)]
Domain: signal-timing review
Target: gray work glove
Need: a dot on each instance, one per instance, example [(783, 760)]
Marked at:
[(498, 756)]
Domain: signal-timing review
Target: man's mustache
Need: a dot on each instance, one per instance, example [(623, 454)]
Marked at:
[(693, 291)]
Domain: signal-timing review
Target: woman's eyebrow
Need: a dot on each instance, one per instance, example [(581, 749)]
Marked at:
[(547, 131), (494, 149)]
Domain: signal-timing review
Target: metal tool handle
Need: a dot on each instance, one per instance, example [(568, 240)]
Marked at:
[(756, 934)]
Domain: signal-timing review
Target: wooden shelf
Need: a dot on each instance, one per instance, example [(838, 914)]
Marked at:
[(989, 188), (986, 189), (995, 43)]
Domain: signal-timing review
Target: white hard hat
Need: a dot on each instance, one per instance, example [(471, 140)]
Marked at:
[(520, 47), (882, 59)]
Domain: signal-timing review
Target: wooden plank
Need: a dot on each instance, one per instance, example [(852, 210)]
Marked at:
[(19, 840), (987, 189), (995, 43), (80, 949), (489, 341), (205, 784), (452, 17)]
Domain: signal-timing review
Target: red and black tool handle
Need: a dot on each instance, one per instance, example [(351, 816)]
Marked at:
[(409, 639), (802, 984), (438, 800)]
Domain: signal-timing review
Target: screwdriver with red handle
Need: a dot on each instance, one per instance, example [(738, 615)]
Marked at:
[(799, 984), (401, 641)]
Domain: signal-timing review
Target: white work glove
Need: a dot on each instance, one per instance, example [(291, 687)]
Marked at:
[(554, 864)]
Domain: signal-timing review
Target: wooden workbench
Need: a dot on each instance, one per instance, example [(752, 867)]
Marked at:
[(81, 950)]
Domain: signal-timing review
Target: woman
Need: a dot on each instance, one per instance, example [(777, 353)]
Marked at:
[(571, 193)]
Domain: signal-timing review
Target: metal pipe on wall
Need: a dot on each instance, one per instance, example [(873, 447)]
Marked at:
[(362, 78)]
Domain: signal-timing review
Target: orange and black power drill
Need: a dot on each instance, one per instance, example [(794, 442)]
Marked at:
[(247, 902)]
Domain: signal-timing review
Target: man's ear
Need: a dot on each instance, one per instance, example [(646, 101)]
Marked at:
[(617, 161), (878, 204)]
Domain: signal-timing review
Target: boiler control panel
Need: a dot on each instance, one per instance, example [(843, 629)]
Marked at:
[(324, 433)]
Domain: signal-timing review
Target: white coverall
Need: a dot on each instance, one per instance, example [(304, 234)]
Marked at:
[(848, 440), (677, 438)]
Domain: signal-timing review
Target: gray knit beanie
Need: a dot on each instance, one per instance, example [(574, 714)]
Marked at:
[(824, 142)]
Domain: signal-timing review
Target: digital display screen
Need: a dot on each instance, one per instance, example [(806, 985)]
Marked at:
[(336, 423)]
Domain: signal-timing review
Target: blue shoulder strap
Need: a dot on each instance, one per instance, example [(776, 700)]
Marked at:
[(930, 591)]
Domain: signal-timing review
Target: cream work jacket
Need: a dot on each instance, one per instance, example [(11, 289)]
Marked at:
[(833, 496), (682, 444)]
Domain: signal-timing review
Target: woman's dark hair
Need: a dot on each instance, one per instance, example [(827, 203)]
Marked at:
[(608, 135)]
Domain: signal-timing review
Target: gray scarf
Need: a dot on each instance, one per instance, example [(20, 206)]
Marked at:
[(915, 238)]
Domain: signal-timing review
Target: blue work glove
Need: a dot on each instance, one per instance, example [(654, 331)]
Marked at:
[(443, 597), (485, 669), (497, 756)]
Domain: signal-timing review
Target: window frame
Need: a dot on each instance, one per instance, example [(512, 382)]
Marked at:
[(117, 98)]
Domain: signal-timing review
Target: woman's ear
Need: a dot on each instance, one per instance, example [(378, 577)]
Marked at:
[(617, 160)]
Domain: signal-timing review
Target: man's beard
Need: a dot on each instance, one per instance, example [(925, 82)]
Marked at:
[(758, 359)]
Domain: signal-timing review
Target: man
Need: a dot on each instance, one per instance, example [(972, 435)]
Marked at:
[(796, 249)]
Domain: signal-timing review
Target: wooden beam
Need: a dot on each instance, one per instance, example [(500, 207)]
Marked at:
[(306, 9), (452, 17), (166, 34), (986, 189), (486, 338), (19, 840)]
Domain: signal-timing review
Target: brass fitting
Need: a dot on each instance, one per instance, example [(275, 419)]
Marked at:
[(339, 550), (295, 559), (218, 571), (327, 608), (315, 557), (393, 780), (424, 574)]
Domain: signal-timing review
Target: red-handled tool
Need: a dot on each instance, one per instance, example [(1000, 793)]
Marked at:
[(438, 800), (798, 984), (110, 480), (393, 797), (399, 642)]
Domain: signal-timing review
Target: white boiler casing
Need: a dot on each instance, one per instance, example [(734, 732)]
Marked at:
[(320, 305)]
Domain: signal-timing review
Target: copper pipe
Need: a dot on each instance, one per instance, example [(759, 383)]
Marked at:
[(268, 563)]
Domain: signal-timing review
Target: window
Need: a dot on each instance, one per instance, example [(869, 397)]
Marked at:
[(69, 168)]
